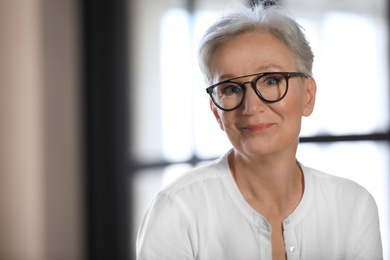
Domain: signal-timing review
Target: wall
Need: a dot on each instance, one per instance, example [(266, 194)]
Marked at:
[(40, 151)]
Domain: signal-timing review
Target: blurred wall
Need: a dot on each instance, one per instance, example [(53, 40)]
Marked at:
[(40, 151)]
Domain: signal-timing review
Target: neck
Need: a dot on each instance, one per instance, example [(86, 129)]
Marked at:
[(275, 183)]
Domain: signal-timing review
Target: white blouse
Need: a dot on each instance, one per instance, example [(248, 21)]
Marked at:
[(203, 215)]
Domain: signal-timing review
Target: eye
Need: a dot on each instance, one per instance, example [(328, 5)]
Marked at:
[(270, 81), (229, 89)]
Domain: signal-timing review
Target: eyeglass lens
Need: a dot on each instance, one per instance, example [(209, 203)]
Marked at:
[(269, 87)]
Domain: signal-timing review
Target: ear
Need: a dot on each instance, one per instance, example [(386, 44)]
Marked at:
[(215, 111), (310, 96)]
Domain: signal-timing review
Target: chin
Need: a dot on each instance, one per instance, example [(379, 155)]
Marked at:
[(260, 150)]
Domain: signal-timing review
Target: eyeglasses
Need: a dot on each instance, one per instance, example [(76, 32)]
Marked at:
[(270, 87)]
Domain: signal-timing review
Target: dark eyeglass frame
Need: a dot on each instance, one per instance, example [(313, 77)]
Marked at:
[(286, 75)]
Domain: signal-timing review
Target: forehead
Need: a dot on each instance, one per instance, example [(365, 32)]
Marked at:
[(250, 53)]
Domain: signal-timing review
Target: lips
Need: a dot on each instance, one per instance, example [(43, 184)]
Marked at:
[(257, 127)]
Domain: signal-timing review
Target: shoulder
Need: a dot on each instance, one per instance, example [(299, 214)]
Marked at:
[(330, 181), (338, 189), (198, 178), (183, 200)]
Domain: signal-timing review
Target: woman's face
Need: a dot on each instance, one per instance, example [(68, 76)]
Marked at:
[(256, 127)]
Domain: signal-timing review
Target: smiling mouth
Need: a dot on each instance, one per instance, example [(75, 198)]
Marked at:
[(258, 127)]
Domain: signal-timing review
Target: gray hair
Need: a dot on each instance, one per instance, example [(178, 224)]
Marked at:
[(273, 19)]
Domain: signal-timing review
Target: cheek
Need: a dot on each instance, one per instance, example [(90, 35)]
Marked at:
[(226, 120), (290, 111), (219, 117), (293, 105), (221, 125)]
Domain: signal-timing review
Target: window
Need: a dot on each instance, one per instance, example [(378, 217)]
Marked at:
[(348, 134)]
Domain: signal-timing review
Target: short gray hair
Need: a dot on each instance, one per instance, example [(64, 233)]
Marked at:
[(273, 19)]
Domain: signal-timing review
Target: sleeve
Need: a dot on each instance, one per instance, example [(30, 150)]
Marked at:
[(166, 231), (369, 244)]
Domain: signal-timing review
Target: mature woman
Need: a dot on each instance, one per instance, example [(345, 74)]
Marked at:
[(258, 201)]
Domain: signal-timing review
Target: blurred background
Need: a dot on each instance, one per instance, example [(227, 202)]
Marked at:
[(102, 104)]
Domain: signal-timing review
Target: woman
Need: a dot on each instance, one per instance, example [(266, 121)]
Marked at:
[(257, 201)]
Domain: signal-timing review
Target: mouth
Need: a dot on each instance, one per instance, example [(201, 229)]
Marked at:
[(257, 127)]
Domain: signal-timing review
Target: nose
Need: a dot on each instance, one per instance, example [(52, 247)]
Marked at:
[(252, 103)]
